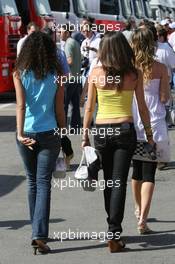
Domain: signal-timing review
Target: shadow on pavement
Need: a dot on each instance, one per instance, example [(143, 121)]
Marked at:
[(169, 166), (156, 241), (17, 224), (9, 183), (7, 123), (155, 220), (73, 167), (56, 251)]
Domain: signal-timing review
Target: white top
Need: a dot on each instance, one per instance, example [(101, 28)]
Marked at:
[(157, 113), (128, 34), (166, 55), (93, 42), (94, 64), (20, 44), (171, 40)]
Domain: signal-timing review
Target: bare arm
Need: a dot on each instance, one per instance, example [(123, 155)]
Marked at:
[(143, 110), (164, 85), (59, 107), (84, 93), (20, 111), (20, 104), (89, 110)]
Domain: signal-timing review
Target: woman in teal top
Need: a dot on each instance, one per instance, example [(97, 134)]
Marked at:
[(40, 106)]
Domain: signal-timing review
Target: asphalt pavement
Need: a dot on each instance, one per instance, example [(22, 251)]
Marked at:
[(78, 213)]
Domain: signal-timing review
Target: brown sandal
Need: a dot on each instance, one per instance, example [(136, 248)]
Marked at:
[(116, 246), (41, 246), (143, 229)]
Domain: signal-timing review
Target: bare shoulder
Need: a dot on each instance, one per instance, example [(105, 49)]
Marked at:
[(96, 70), (163, 68), (159, 67), (136, 76), (16, 75)]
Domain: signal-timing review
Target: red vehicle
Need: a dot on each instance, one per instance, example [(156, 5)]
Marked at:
[(37, 11), (14, 17), (10, 24)]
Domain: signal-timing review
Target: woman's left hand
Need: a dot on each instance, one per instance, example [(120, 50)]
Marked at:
[(85, 142)]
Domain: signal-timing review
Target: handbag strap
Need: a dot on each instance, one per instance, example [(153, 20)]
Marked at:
[(83, 158), (62, 153)]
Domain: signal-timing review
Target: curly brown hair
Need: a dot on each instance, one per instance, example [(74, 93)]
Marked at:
[(143, 45), (39, 54)]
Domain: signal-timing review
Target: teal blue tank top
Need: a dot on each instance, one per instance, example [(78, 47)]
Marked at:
[(40, 102)]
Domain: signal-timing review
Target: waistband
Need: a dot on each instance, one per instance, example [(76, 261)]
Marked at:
[(125, 125), (49, 132)]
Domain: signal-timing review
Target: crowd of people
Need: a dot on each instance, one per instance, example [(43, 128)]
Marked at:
[(135, 104)]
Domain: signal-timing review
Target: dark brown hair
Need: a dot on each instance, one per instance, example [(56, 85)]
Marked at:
[(162, 33), (116, 56), (39, 54), (32, 24)]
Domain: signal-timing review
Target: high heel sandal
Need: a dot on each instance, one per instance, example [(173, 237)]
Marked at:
[(143, 228), (137, 214), (116, 246), (41, 246)]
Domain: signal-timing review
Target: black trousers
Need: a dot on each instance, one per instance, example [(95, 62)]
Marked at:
[(116, 151), (72, 96), (144, 171)]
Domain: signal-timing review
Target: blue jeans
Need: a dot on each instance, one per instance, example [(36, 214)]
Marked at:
[(39, 164)]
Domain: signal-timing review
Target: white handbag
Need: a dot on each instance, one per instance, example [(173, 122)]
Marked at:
[(82, 174), (82, 171), (60, 168), (88, 156)]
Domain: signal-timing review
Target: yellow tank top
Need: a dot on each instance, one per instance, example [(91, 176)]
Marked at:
[(114, 104)]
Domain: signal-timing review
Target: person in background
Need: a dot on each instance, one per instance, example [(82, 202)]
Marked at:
[(115, 96), (164, 52), (156, 92), (166, 55), (31, 27), (151, 26), (65, 141), (171, 37), (171, 41), (40, 108), (61, 54), (128, 30), (89, 51), (73, 85), (90, 45), (165, 24)]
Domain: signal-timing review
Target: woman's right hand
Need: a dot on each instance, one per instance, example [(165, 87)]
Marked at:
[(151, 142), (26, 140)]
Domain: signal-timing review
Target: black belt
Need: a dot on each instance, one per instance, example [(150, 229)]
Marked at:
[(125, 125)]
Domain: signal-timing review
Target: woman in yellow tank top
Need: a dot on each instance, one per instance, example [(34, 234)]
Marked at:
[(113, 84)]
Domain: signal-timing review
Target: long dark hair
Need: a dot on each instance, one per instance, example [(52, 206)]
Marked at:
[(39, 54), (117, 57)]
